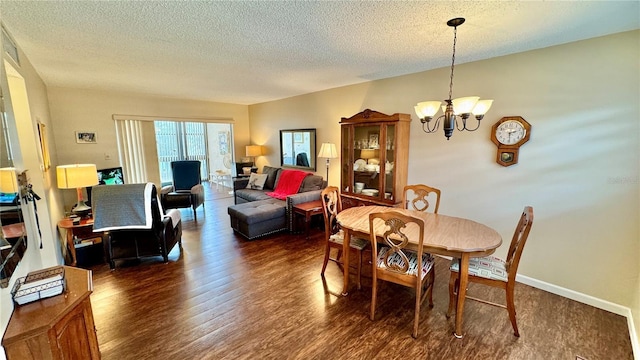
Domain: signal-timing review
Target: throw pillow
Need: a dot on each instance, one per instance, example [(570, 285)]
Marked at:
[(311, 183), (272, 173), (256, 181)]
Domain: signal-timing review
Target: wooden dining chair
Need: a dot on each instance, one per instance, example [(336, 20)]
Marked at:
[(416, 197), (395, 263), (495, 272), (334, 236)]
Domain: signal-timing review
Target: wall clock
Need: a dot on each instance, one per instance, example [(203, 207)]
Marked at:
[(509, 133)]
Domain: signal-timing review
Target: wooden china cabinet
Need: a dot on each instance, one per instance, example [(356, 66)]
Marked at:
[(374, 158)]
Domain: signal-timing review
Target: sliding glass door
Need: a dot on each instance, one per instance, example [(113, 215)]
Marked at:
[(181, 141)]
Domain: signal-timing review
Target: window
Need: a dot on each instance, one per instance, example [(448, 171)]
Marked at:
[(180, 141)]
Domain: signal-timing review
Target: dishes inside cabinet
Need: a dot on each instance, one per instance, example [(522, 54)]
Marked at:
[(359, 165), (370, 192)]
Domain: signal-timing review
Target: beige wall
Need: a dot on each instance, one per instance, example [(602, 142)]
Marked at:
[(579, 171), (79, 109)]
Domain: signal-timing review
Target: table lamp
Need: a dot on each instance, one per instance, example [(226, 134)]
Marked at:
[(77, 177), (328, 150), (253, 151), (368, 154), (8, 180)]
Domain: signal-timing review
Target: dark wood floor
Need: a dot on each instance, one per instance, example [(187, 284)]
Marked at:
[(223, 297)]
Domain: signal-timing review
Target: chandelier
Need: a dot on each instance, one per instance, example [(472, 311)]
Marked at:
[(461, 108)]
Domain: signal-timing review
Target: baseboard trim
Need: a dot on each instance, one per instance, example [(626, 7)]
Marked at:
[(589, 300), (574, 295), (635, 341)]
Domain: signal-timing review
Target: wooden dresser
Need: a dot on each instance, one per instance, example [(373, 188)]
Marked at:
[(60, 327)]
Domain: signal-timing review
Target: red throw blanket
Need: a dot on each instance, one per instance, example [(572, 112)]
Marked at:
[(288, 184)]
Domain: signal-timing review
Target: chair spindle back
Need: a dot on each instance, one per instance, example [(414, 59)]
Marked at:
[(420, 201)]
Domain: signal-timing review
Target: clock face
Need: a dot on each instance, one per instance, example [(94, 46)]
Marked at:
[(510, 132)]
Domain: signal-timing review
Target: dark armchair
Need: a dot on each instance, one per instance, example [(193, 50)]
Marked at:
[(134, 224), (187, 190)]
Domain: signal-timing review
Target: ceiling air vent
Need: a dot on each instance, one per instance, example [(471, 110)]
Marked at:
[(9, 46)]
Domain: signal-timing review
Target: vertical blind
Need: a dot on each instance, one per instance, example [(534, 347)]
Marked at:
[(131, 150)]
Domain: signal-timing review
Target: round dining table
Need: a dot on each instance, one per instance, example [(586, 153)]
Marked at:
[(443, 235)]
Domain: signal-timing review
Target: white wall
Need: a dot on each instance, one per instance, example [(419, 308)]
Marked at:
[(79, 109), (579, 171)]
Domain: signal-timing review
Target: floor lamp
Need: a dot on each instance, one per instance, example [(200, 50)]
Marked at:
[(328, 150)]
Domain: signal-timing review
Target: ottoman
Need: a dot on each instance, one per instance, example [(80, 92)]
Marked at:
[(258, 218)]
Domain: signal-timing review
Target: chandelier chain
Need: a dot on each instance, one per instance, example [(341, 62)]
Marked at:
[(453, 60)]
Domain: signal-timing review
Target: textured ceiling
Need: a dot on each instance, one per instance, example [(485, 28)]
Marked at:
[(247, 52)]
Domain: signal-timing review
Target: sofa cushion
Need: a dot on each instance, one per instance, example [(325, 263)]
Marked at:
[(310, 183), (258, 211), (272, 177), (256, 181), (252, 195)]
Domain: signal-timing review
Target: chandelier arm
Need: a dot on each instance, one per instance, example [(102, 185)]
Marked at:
[(474, 129), (464, 123), (435, 125)]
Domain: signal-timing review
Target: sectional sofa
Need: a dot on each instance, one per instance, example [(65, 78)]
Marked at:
[(257, 214)]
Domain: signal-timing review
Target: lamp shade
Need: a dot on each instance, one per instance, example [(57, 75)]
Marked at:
[(328, 150), (76, 176), (253, 150), (464, 105), (369, 154), (482, 107), (8, 180), (427, 108)]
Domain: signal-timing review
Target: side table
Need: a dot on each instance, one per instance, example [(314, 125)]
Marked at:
[(308, 210), (82, 232), (59, 327)]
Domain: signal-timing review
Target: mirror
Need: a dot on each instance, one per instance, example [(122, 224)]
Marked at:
[(13, 241), (298, 149), (13, 235)]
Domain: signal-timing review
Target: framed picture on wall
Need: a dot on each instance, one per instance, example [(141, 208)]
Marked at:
[(44, 148), (223, 142), (86, 137)]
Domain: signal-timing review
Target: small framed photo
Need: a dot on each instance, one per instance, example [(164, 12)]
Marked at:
[(373, 140), (86, 137)]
